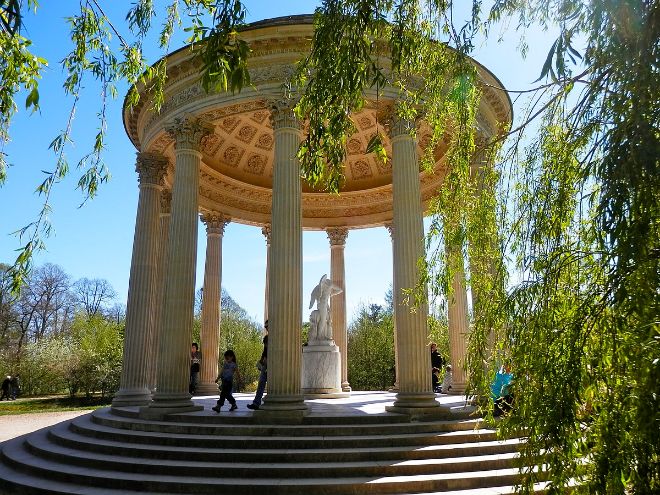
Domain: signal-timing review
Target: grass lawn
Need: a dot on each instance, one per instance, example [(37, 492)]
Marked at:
[(52, 404)]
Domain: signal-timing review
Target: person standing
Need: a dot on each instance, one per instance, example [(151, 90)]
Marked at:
[(6, 386), (226, 377), (501, 392), (436, 359), (437, 363), (263, 375), (195, 360), (15, 386)]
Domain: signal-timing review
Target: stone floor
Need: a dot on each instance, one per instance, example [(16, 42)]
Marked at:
[(358, 404)]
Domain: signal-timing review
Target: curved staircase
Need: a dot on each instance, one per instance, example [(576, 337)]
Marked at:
[(333, 451)]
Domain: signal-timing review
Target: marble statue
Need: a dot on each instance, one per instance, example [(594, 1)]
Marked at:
[(319, 319)]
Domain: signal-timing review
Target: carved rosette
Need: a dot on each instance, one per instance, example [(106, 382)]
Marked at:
[(166, 202), (266, 230), (337, 236), (282, 115), (215, 223), (188, 133), (151, 168)]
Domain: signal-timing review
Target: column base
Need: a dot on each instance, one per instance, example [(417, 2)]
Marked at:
[(207, 389), (287, 409), (345, 387), (339, 394), (159, 413), (422, 413), (458, 388), (163, 404), (132, 397), (418, 406)]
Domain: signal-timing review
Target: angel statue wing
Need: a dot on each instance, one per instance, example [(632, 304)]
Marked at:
[(317, 292)]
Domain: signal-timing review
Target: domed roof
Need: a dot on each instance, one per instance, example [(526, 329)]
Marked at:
[(237, 159)]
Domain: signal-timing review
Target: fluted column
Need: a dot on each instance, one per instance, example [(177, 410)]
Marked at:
[(159, 308), (174, 351), (266, 231), (285, 296), (395, 387), (411, 323), (337, 237), (134, 385), (458, 320), (211, 302)]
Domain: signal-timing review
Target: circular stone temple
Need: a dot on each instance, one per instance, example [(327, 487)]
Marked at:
[(232, 157)]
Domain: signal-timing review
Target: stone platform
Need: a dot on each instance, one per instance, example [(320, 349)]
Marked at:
[(343, 446)]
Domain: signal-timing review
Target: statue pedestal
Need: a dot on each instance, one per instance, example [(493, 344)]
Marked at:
[(321, 372)]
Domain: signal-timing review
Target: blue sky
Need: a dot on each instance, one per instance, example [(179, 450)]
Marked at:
[(95, 241)]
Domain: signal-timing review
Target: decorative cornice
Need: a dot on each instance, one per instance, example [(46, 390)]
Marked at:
[(266, 230), (215, 223), (151, 168), (189, 132), (337, 236)]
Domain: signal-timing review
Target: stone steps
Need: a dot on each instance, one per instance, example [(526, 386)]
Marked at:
[(209, 425), (64, 436), (114, 451), (188, 481), (205, 463)]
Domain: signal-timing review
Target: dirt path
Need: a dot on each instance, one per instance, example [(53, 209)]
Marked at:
[(19, 424)]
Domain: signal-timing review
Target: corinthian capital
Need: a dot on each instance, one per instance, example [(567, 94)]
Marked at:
[(151, 168), (189, 132), (337, 236), (282, 115), (400, 127), (215, 223)]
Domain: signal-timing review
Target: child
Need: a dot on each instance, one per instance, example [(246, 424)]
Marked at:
[(448, 380), (226, 376)]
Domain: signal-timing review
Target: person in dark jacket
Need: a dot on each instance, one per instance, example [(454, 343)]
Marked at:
[(15, 386), (437, 363), (6, 387), (263, 375)]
